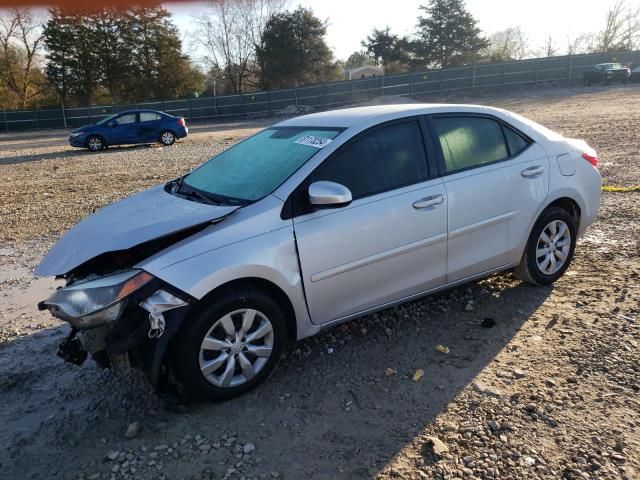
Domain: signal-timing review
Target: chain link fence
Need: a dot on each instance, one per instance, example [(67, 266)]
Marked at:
[(563, 71)]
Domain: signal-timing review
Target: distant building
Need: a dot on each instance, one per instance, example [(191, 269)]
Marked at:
[(365, 71)]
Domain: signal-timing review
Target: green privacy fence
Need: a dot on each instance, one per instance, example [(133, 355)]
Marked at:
[(565, 70)]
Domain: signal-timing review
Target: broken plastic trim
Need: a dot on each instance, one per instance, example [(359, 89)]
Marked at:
[(156, 304)]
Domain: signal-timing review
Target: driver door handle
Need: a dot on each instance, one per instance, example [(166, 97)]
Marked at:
[(532, 172), (428, 202)]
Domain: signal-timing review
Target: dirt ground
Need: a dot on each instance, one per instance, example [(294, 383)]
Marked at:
[(551, 391)]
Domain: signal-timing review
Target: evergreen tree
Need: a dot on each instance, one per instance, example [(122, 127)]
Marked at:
[(447, 36), (358, 59), (118, 56), (294, 51), (71, 61), (387, 50)]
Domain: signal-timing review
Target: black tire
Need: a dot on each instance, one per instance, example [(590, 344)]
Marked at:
[(95, 143), (167, 138), (186, 350), (528, 270)]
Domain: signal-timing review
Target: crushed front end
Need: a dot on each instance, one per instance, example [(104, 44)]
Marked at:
[(122, 319)]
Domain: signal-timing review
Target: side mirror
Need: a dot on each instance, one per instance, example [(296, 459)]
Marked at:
[(113, 124), (325, 194)]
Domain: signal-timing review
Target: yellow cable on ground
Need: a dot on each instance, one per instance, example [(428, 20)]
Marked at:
[(610, 188)]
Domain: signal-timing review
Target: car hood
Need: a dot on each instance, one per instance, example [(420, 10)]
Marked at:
[(82, 129), (143, 217)]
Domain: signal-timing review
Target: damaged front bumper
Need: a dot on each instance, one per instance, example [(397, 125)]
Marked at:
[(122, 320)]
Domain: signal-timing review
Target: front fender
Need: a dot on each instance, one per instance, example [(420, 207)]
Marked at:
[(271, 256)]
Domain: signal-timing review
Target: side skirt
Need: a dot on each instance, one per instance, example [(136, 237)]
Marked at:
[(416, 296)]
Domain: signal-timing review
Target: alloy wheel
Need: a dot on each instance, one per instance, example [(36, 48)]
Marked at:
[(94, 144), (236, 348), (552, 249), (167, 138)]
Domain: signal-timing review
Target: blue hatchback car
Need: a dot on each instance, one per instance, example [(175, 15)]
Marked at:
[(133, 126)]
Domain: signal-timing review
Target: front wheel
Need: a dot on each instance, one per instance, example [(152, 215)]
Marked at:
[(167, 138), (95, 143), (550, 248), (231, 344)]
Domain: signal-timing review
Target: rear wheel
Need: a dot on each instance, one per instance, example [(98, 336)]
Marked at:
[(95, 143), (231, 345), (167, 138), (550, 248)]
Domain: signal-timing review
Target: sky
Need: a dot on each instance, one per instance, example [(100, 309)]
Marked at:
[(350, 21)]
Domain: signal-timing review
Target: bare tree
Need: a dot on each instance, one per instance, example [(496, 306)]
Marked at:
[(549, 49), (578, 44), (20, 46), (230, 32), (610, 36), (509, 44), (622, 29), (630, 35)]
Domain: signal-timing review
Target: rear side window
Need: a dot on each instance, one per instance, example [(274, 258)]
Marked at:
[(149, 117), (469, 141), (515, 141), (383, 159)]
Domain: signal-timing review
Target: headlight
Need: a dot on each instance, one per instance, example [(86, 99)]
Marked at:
[(74, 135), (93, 302)]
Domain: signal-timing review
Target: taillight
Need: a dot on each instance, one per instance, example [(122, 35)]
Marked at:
[(592, 158), (181, 122)]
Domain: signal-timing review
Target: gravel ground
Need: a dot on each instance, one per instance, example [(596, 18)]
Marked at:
[(538, 382)]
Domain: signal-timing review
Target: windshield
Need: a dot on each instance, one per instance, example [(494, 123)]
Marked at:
[(107, 120), (257, 166), (611, 65)]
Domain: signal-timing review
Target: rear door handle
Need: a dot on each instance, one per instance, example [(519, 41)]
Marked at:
[(428, 202), (532, 172)]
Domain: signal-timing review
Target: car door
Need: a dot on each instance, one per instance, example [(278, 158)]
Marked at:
[(149, 126), (471, 150), (390, 242), (123, 129), (528, 180), (485, 200)]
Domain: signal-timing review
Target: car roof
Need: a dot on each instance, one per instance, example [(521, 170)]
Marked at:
[(141, 110), (349, 117)]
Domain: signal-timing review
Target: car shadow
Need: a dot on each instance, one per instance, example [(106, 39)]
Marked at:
[(342, 404), (353, 397), (71, 153)]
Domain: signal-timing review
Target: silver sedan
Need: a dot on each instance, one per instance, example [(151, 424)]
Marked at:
[(312, 222)]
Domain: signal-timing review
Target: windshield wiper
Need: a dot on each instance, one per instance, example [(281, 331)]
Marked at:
[(177, 188), (199, 195)]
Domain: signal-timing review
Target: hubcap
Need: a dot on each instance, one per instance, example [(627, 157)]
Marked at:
[(95, 143), (167, 138), (236, 348), (553, 247)]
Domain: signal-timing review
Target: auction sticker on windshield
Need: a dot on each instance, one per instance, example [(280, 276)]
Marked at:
[(313, 141)]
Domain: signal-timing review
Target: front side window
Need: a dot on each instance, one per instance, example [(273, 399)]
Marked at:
[(386, 158), (126, 119), (468, 142), (257, 166)]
